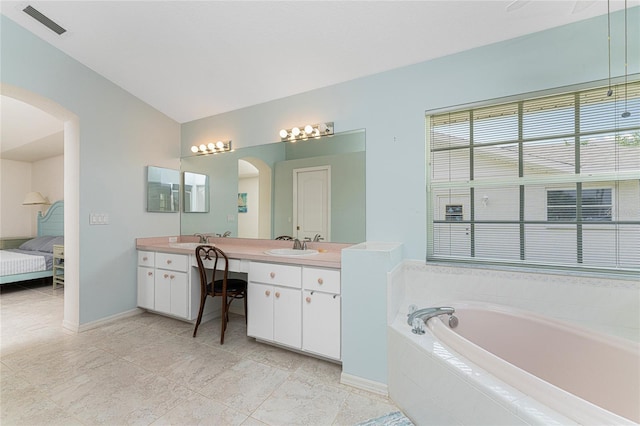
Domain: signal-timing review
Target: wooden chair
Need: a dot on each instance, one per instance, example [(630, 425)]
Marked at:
[(229, 289), (284, 237)]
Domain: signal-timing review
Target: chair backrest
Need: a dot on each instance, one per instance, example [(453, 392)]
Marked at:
[(207, 253), (284, 237)]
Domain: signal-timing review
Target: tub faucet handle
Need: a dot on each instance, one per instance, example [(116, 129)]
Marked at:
[(418, 326)]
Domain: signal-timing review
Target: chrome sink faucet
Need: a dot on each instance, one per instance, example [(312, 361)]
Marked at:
[(204, 239), (317, 238), (299, 245)]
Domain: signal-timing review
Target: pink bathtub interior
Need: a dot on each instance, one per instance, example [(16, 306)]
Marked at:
[(591, 378)]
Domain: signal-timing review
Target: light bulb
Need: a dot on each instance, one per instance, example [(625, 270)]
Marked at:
[(322, 127), (308, 129), (220, 144), (295, 131), (211, 146), (194, 149), (203, 148), (283, 134)]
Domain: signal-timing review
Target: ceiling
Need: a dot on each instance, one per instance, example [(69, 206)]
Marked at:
[(193, 59)]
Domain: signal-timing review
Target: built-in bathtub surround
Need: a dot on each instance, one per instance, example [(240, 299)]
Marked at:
[(464, 392), (364, 313)]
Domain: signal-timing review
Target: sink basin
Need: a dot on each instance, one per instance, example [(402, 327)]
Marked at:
[(188, 246), (291, 252)]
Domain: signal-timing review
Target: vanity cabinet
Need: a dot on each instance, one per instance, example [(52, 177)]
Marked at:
[(163, 283), (274, 308), (295, 306)]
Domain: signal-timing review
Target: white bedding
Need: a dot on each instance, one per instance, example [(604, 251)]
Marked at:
[(18, 263)]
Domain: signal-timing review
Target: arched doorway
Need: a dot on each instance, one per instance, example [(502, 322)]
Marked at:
[(71, 196)]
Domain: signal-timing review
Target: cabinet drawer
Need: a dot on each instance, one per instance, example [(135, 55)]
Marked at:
[(171, 261), (276, 274), (58, 251), (146, 258), (321, 279)]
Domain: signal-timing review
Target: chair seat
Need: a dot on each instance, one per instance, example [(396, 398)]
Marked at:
[(234, 285)]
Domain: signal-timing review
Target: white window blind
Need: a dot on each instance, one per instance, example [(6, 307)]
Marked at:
[(552, 182)]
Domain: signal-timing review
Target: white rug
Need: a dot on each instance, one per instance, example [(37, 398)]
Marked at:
[(392, 419)]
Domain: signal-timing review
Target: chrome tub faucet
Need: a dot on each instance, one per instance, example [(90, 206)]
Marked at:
[(417, 318)]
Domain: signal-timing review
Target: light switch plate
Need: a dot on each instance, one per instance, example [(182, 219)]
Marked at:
[(98, 219)]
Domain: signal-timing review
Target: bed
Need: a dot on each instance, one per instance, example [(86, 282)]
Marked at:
[(34, 258)]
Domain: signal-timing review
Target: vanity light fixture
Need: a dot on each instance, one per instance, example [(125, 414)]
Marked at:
[(306, 132), (211, 148)]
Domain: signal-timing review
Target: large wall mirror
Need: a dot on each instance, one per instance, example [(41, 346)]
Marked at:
[(163, 190), (298, 189)]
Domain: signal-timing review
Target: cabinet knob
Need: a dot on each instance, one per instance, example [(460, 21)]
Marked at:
[(172, 276), (320, 281), (168, 261), (308, 299), (166, 275), (272, 275), (267, 293), (277, 294), (149, 273), (145, 258)]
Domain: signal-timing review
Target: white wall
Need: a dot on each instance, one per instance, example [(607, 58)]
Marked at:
[(118, 136), (48, 178), (17, 179), (16, 220)]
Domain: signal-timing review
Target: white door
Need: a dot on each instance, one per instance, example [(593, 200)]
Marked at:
[(452, 238), (312, 202)]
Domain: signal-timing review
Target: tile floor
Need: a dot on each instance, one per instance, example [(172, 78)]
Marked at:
[(148, 370)]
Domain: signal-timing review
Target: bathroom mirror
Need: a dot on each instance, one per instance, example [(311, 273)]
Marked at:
[(163, 190), (262, 177), (195, 192)]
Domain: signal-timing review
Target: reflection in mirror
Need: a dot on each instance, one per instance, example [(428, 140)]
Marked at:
[(196, 193), (163, 190), (271, 193)]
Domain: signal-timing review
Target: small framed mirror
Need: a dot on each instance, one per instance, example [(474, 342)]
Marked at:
[(195, 192), (163, 190)]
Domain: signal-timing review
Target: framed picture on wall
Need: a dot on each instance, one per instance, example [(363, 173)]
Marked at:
[(242, 202)]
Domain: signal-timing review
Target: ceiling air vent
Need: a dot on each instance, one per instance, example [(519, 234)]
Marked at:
[(38, 16)]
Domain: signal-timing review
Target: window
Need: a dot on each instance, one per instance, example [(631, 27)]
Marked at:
[(549, 181), (595, 205)]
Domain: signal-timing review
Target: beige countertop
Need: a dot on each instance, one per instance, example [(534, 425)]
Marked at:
[(329, 256)]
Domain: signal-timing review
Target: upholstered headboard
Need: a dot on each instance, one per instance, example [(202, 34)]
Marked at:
[(52, 223)]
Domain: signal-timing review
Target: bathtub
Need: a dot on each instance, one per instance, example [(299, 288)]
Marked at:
[(500, 365)]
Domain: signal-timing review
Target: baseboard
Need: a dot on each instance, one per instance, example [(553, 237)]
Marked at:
[(364, 384), (90, 325)]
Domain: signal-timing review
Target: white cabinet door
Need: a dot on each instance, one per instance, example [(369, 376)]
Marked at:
[(179, 294), (146, 287), (321, 323), (260, 311), (287, 312), (162, 294)]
